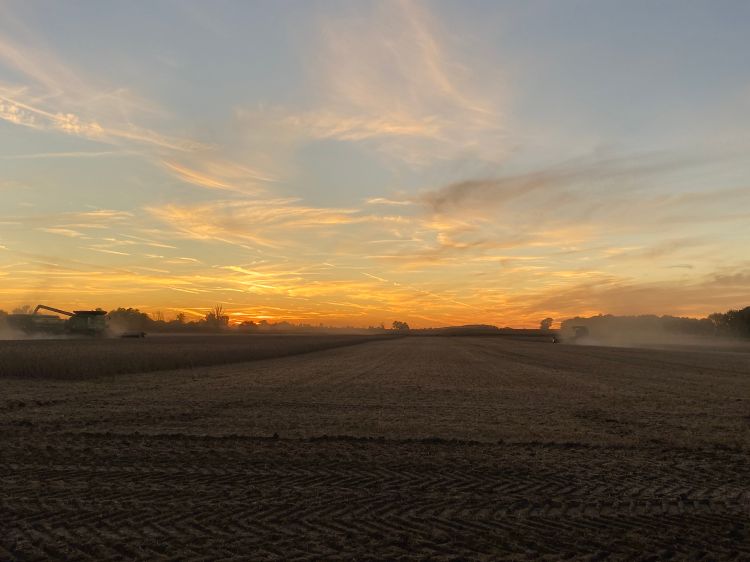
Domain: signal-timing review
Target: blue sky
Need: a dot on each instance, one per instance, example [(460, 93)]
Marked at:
[(353, 162)]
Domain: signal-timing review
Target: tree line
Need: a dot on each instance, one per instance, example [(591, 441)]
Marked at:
[(733, 323), (216, 320)]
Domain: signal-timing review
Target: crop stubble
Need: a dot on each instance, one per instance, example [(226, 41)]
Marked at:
[(424, 447)]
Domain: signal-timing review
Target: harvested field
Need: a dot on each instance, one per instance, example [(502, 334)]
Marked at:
[(85, 358), (418, 447)]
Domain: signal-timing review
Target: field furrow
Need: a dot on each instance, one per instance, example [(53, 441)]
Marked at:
[(429, 448)]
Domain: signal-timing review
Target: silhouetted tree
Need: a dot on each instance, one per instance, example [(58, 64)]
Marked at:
[(23, 309), (130, 319), (738, 322), (216, 318), (546, 324), (400, 326), (733, 323), (717, 321)]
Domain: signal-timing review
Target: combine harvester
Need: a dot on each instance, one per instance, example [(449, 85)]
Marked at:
[(79, 322)]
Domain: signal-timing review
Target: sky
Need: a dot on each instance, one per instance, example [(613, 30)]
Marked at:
[(355, 162)]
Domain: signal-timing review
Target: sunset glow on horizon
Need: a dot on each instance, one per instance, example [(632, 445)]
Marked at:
[(352, 163)]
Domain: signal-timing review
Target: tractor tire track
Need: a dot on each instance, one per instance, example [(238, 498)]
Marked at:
[(90, 497)]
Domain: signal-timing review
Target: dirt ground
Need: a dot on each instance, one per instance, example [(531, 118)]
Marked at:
[(414, 448), (86, 358)]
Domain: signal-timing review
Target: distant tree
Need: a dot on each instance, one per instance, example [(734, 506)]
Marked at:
[(218, 311), (158, 316), (719, 322), (24, 309), (216, 318), (400, 326), (180, 318), (546, 324), (738, 322), (130, 319)]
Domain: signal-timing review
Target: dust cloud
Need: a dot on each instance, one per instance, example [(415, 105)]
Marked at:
[(646, 331)]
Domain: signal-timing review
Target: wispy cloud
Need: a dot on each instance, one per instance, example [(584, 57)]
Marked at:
[(148, 242), (79, 154), (63, 232), (387, 78), (92, 219), (23, 113), (266, 222), (324, 125), (221, 175), (191, 176), (59, 98), (386, 201), (108, 251)]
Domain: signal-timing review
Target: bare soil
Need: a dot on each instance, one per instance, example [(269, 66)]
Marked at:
[(86, 358), (412, 448)]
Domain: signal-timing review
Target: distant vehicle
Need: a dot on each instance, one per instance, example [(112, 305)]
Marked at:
[(79, 322), (565, 336)]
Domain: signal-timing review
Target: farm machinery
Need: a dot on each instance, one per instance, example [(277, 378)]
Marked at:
[(579, 332), (78, 322)]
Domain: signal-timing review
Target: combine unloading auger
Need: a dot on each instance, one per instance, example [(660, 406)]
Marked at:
[(45, 307)]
